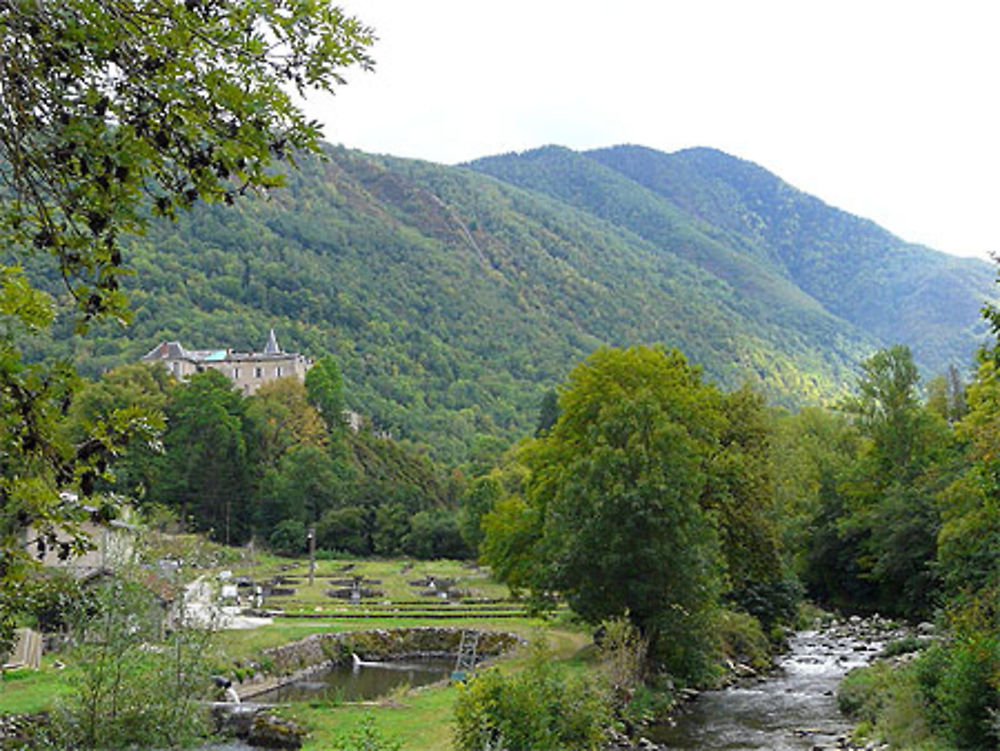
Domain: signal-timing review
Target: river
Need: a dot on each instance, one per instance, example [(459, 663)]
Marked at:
[(792, 709)]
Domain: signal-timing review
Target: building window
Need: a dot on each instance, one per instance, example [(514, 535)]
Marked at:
[(258, 372), (277, 372), (236, 374)]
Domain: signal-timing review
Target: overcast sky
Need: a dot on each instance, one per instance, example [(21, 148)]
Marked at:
[(886, 109)]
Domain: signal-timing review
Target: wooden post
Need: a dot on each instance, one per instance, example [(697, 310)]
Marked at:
[(312, 554)]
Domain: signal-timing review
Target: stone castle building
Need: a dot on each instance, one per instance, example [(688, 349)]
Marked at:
[(247, 370)]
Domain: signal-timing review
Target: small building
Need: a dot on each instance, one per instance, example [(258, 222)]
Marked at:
[(112, 543), (27, 652), (247, 370)]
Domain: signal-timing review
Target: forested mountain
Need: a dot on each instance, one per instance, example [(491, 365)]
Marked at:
[(454, 297), (759, 227)]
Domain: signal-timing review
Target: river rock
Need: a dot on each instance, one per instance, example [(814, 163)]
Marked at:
[(271, 731)]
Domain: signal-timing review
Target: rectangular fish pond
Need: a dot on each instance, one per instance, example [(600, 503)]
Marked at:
[(361, 681)]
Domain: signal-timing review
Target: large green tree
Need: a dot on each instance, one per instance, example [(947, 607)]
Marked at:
[(739, 494), (969, 538), (112, 112), (132, 385), (892, 512), (325, 387), (612, 515), (205, 473)]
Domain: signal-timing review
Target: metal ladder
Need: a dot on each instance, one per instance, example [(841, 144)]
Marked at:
[(465, 663)]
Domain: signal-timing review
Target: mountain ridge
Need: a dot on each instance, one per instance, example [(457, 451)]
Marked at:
[(454, 297), (699, 181)]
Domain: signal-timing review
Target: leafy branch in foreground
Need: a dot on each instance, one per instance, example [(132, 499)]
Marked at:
[(112, 112), (112, 109)]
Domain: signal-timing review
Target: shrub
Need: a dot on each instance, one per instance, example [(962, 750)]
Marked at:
[(861, 694), (744, 639), (537, 709), (134, 689), (648, 704), (886, 702), (959, 685), (904, 646), (623, 656), (367, 737)]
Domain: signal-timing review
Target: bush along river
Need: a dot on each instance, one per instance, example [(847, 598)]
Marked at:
[(794, 708)]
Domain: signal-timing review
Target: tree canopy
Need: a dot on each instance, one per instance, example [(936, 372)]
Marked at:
[(112, 112), (621, 509), (113, 109)]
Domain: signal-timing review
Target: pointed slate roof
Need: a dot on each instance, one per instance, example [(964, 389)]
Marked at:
[(272, 348)]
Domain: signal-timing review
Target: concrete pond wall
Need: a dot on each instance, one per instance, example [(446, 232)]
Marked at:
[(316, 652)]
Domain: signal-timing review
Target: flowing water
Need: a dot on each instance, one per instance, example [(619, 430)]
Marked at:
[(792, 709), (795, 708)]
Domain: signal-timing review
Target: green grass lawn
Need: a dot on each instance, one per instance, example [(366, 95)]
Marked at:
[(25, 691), (420, 720)]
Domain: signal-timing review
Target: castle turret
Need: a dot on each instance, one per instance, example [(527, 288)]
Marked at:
[(272, 348)]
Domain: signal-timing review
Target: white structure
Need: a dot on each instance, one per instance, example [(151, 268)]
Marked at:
[(112, 543), (248, 370)]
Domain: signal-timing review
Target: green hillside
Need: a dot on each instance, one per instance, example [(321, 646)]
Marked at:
[(454, 299), (857, 270)]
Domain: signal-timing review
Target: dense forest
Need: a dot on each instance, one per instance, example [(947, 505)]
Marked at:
[(273, 465), (667, 386), (453, 299)]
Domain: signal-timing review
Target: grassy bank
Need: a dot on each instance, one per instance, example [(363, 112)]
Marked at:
[(422, 719)]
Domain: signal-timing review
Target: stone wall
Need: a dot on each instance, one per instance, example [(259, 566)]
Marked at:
[(380, 644), (290, 662)]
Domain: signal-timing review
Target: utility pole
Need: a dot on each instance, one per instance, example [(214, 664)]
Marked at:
[(312, 554)]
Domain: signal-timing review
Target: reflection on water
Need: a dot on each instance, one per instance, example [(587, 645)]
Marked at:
[(369, 680), (357, 683), (793, 710)]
